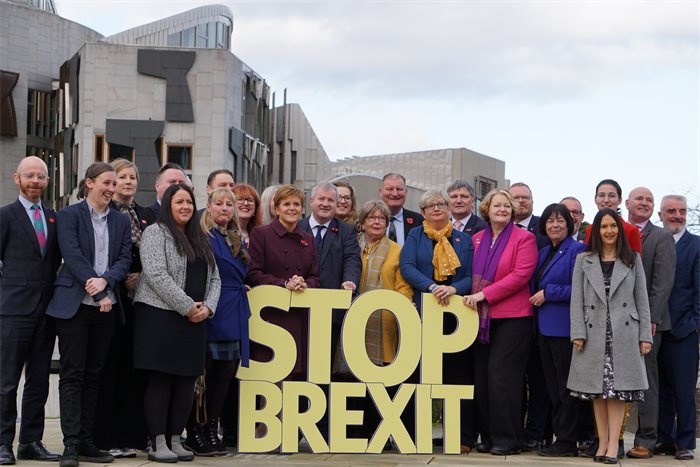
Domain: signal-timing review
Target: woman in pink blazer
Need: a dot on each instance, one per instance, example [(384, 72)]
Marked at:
[(505, 258)]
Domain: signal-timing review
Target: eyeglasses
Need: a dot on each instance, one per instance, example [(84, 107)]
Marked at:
[(439, 205), (242, 201), (344, 197), (575, 212), (381, 219), (31, 175)]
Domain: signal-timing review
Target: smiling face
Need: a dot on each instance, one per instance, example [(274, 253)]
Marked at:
[(221, 210), (435, 212), (323, 204), (500, 211), (245, 204), (640, 205), (574, 208), (182, 208), (32, 178), (288, 211), (344, 205), (393, 193), (461, 203), (168, 178), (374, 226), (127, 184), (607, 197), (608, 231), (555, 227), (673, 214), (101, 189)]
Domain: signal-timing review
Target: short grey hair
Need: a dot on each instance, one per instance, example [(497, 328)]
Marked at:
[(432, 194), (325, 186), (461, 184), (373, 205), (680, 198)]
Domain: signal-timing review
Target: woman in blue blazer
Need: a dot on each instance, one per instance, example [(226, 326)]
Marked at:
[(95, 242), (227, 330), (437, 259), (551, 286)]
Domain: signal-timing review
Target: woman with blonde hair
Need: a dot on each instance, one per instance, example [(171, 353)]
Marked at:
[(267, 201), (227, 330)]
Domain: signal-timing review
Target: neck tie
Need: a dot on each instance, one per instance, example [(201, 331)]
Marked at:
[(392, 229), (319, 238), (39, 228), (458, 226)]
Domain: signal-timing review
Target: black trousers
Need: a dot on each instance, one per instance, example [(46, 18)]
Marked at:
[(555, 353), (499, 373), (167, 402), (27, 339), (119, 420), (229, 412), (84, 342), (536, 403)]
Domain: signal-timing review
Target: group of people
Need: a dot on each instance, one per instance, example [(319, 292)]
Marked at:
[(151, 313)]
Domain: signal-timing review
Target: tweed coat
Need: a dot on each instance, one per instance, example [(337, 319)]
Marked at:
[(162, 281), (630, 321)]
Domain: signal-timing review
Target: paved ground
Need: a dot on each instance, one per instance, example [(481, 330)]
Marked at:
[(52, 438)]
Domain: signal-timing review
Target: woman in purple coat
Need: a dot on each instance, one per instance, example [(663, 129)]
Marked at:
[(283, 254)]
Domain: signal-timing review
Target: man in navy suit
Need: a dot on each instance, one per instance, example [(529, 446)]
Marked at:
[(337, 253), (574, 207), (659, 261), (464, 218), (170, 174), (537, 403), (393, 192), (29, 258), (678, 356)]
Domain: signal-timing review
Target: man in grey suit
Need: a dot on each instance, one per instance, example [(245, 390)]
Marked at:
[(659, 260), (462, 198)]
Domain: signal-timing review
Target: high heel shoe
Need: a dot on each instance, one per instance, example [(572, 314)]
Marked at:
[(610, 460), (597, 458)]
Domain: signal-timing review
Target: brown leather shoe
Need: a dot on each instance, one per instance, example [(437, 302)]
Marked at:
[(464, 449), (640, 452)]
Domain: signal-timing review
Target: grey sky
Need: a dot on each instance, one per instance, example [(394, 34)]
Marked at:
[(567, 93)]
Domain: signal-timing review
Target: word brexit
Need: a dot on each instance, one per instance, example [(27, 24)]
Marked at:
[(421, 342)]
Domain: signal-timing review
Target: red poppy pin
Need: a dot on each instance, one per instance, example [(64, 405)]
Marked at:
[(409, 220), (51, 219), (335, 229), (304, 243)]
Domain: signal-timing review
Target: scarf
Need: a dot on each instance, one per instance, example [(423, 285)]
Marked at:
[(445, 260), (486, 261), (234, 242), (129, 210), (376, 255)]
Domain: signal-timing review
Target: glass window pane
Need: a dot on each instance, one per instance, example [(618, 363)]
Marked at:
[(211, 39), (117, 150), (181, 155), (202, 36), (174, 39), (188, 37)]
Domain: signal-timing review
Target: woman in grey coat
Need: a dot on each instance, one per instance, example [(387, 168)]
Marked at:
[(610, 329)]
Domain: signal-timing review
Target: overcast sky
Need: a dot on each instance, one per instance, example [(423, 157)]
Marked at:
[(566, 93)]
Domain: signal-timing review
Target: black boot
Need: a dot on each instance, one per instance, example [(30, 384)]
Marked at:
[(211, 436), (197, 442)]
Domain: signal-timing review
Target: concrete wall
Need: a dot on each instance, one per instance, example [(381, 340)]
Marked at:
[(33, 43)]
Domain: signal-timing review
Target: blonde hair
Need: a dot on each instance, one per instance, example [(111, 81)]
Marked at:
[(121, 164), (486, 204), (206, 222)]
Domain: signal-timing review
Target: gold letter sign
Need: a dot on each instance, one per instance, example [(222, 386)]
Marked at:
[(277, 406)]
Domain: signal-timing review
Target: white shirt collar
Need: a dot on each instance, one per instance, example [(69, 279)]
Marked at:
[(526, 222), (313, 223), (677, 236)]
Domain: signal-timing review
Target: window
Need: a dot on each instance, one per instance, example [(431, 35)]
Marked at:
[(174, 39), (181, 154), (41, 117), (188, 36), (159, 150), (116, 151), (99, 147)]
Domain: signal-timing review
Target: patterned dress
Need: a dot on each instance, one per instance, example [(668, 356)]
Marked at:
[(609, 391)]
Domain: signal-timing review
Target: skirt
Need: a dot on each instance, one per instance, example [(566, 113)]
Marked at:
[(168, 342)]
